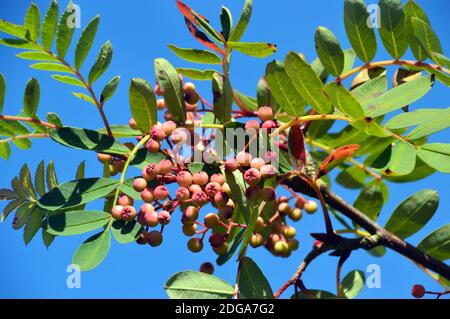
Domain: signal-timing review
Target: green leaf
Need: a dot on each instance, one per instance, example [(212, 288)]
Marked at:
[(26, 182), (369, 90), (349, 60), (68, 80), (412, 9), (23, 214), (222, 259), (33, 225), (92, 251), (2, 91), (352, 177), (126, 232), (329, 51), (8, 209), (31, 97), (254, 49), (143, 104), (48, 66), (197, 285), (84, 97), (283, 90), (344, 100), (109, 89), (121, 131), (54, 119), (223, 98), (315, 294), (436, 155), (49, 25), (66, 29), (47, 238), (196, 56), (17, 187), (361, 36), (249, 103), (39, 179), (416, 117), (307, 83), (170, 83), (441, 59), (76, 222), (72, 194), (20, 44), (143, 158), (402, 160), (242, 23), (33, 22), (264, 95), (52, 181), (85, 139), (37, 56), (370, 201), (400, 96), (426, 36), (437, 244), (81, 170), (440, 121), (392, 30), (5, 150), (226, 21), (413, 213), (195, 74), (352, 284), (85, 42), (320, 70), (102, 63), (13, 29), (251, 281)]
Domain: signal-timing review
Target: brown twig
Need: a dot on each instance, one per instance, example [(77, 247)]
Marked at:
[(27, 119)]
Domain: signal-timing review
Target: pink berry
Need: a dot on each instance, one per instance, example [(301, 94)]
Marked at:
[(165, 166), (199, 199), (216, 240), (158, 90), (252, 192), (243, 158), (132, 124), (160, 104), (153, 146), (191, 213), (184, 178), (150, 172), (164, 217), (269, 125), (268, 194), (231, 165), (139, 184), (265, 113), (252, 177), (147, 195), (212, 188), (257, 163), (182, 194), (157, 133), (146, 208), (218, 178), (116, 212), (128, 213), (268, 171), (221, 199), (194, 188), (226, 212), (161, 192), (200, 178), (252, 127), (270, 156), (151, 219), (125, 200)]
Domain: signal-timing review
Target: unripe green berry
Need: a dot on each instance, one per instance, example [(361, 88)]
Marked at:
[(289, 232), (195, 245), (280, 247), (310, 207), (211, 220), (189, 230), (295, 214), (256, 240)]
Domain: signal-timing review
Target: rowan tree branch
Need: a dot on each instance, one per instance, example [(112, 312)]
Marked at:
[(387, 238)]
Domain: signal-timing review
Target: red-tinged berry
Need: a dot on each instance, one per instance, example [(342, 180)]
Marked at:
[(191, 213), (284, 208), (269, 125), (150, 172), (216, 240), (189, 230), (300, 202), (231, 165), (116, 212), (165, 166), (160, 104), (252, 192), (221, 199), (158, 91), (265, 113), (252, 177), (207, 268), (211, 189), (252, 127), (153, 146), (310, 207), (104, 158), (243, 158), (147, 195), (132, 123), (155, 238), (218, 178), (289, 232), (194, 188), (268, 194), (226, 212), (184, 178), (259, 225), (256, 240), (211, 220), (317, 244), (142, 238), (151, 219), (168, 127), (418, 291), (125, 200), (147, 208), (195, 245), (161, 192), (128, 213), (139, 184), (268, 171), (200, 198), (191, 95), (200, 178), (182, 194), (157, 133), (164, 217)]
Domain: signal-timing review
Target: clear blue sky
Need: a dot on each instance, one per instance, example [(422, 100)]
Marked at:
[(139, 31)]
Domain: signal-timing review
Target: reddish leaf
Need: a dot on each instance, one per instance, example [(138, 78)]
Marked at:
[(336, 158), (296, 143), (202, 38)]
